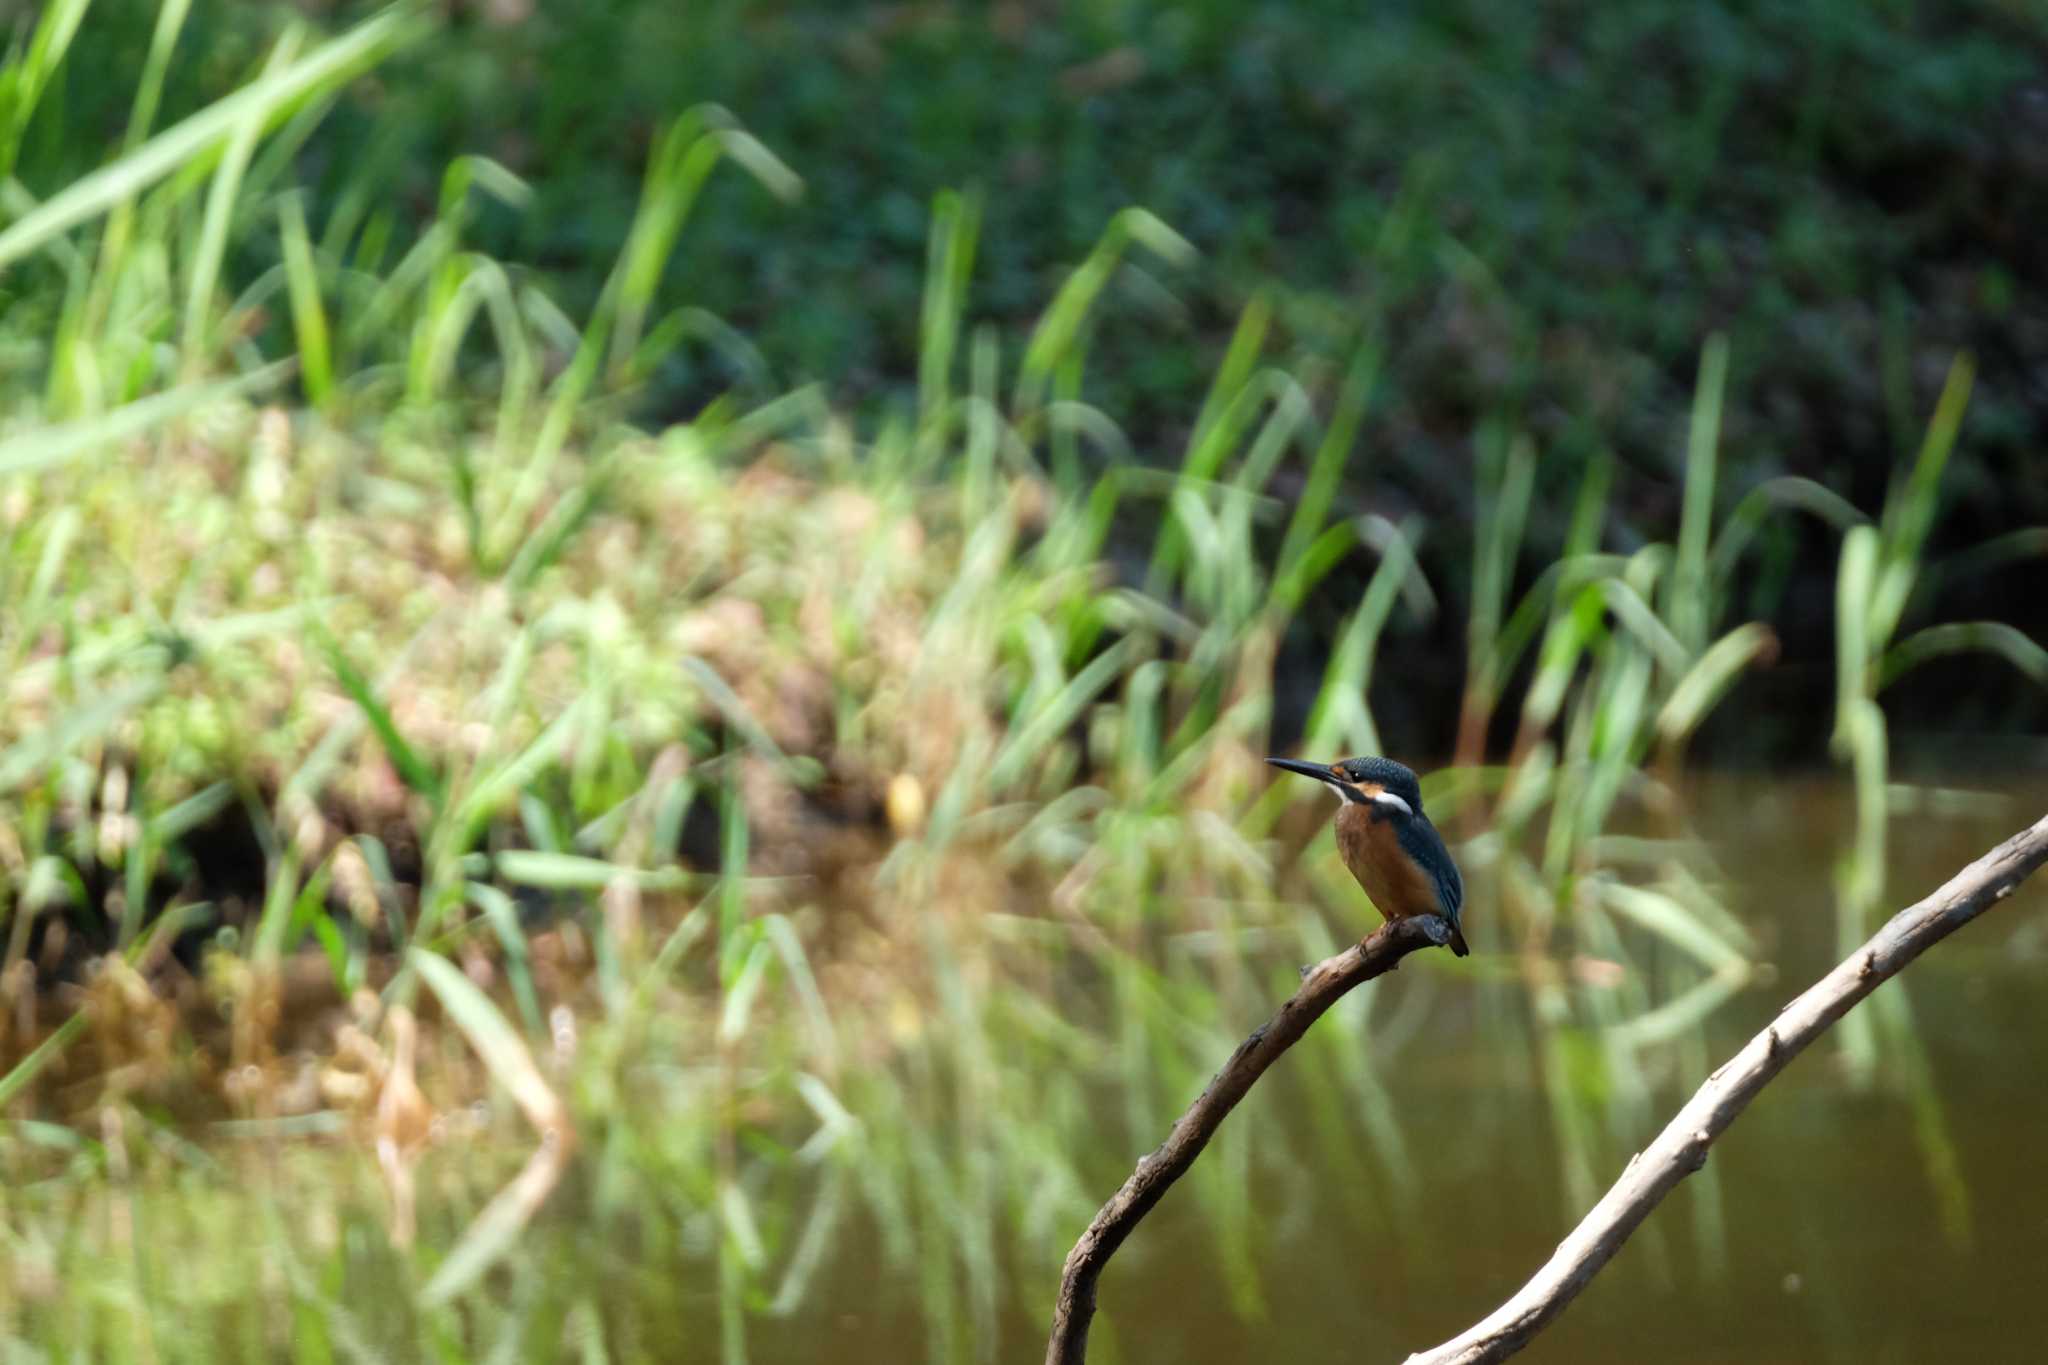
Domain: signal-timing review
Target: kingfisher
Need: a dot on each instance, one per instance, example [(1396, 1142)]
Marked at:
[(1388, 843)]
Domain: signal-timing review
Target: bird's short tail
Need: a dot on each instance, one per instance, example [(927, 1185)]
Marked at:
[(1458, 942)]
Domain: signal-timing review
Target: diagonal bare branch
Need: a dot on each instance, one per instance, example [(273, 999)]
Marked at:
[(1681, 1148), (1321, 987), (1677, 1152)]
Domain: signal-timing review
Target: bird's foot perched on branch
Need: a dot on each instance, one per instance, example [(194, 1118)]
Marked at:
[(1435, 928)]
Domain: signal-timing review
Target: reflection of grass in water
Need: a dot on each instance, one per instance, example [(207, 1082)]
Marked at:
[(1625, 947), (1881, 565), (421, 642)]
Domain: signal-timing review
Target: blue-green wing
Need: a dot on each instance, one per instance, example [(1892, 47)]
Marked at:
[(1422, 843)]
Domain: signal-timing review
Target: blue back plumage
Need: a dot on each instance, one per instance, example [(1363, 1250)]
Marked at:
[(1421, 842)]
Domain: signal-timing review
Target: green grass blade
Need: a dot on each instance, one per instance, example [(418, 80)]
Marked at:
[(73, 727), (186, 143), (1817, 500), (22, 82), (24, 1072), (497, 1043), (1064, 324), (412, 768), (1029, 739), (1670, 921), (1239, 359), (1700, 690), (1332, 457), (309, 316), (1855, 583), (40, 449), (501, 784), (956, 225), (163, 41), (222, 197), (1509, 478), (1689, 607), (1986, 637), (1911, 514)]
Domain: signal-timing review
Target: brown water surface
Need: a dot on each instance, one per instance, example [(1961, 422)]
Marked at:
[(1825, 1241), (1905, 1220)]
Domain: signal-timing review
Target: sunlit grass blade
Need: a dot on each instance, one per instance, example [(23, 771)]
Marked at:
[(163, 41), (1740, 528), (1206, 458), (40, 449), (1240, 358), (752, 956), (782, 936), (1855, 582), (203, 132), (1670, 921), (281, 896), (77, 725), (1570, 634), (949, 267), (1909, 516), (496, 1231), (1037, 729), (1340, 708), (24, 1072), (412, 767), (221, 199), (1634, 615), (1333, 455), (22, 81), (503, 917), (309, 316), (557, 871), (1689, 606), (497, 1043), (1508, 471), (1703, 686), (1064, 322), (1960, 637), (729, 705), (494, 788)]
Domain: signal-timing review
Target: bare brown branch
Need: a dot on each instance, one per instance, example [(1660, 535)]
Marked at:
[(1681, 1148), (1321, 987)]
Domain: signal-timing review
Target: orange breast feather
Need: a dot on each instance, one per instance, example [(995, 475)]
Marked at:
[(1372, 851)]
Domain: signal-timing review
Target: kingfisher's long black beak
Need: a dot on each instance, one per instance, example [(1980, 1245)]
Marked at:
[(1320, 771)]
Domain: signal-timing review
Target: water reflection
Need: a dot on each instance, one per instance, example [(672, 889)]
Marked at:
[(1394, 1178), (1820, 1234)]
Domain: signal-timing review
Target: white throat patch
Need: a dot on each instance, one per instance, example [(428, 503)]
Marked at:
[(1354, 796)]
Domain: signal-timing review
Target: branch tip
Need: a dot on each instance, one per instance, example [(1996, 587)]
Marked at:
[(1682, 1147)]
